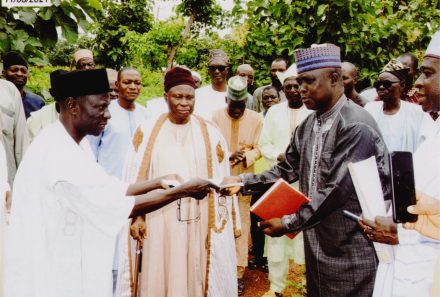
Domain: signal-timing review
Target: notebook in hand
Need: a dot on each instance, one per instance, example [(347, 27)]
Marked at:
[(281, 199)]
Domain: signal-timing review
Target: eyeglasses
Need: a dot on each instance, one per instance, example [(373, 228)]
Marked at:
[(189, 213), (385, 83), (219, 68)]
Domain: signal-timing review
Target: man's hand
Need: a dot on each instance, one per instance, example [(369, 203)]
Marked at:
[(428, 211), (197, 188), (272, 227), (138, 229), (281, 157), (229, 191), (382, 230), (236, 158), (164, 181)]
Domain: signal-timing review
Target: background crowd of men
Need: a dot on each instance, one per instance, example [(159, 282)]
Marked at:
[(187, 167)]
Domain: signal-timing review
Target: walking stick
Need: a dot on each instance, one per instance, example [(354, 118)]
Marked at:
[(137, 267)]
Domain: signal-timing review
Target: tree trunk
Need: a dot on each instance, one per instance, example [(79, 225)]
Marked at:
[(172, 51)]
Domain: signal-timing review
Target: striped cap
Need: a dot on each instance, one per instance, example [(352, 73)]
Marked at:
[(318, 56), (237, 88)]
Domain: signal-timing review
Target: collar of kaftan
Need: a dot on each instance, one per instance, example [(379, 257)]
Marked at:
[(331, 114)]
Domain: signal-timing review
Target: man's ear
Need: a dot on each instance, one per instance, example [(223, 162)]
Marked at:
[(165, 97), (402, 86), (334, 78), (72, 106)]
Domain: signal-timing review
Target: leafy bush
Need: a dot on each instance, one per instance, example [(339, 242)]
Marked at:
[(150, 49), (117, 20), (31, 30), (369, 32), (61, 55), (39, 81)]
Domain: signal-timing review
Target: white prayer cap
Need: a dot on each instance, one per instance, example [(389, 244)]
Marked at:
[(112, 74), (82, 53), (196, 74), (291, 71), (433, 49)]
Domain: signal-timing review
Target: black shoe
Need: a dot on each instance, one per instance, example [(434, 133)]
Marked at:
[(240, 286), (264, 268), (254, 263), (258, 264)]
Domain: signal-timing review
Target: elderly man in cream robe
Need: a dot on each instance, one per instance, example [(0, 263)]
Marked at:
[(241, 128), (189, 248), (279, 124)]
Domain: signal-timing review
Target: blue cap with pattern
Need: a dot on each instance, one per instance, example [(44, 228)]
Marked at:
[(318, 56)]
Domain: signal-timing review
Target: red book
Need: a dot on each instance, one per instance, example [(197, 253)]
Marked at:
[(280, 200)]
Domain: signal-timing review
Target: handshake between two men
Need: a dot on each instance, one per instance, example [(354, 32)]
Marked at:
[(156, 193)]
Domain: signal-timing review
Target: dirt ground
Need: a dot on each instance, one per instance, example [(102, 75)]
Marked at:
[(257, 282)]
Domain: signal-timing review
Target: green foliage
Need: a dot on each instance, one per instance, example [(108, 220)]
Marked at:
[(152, 85), (111, 28), (194, 51), (39, 82), (369, 32), (206, 13), (61, 55), (150, 50), (298, 287), (30, 30)]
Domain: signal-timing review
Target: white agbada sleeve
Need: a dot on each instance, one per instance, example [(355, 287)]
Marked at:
[(100, 204)]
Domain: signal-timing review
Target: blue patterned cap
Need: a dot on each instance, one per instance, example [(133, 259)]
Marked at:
[(318, 56)]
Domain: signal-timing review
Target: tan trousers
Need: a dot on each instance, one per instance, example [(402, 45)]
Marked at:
[(242, 242)]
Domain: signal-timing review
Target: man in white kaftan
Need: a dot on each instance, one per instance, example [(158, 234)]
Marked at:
[(404, 126), (189, 249), (74, 207), (64, 222), (112, 144), (212, 97), (278, 127), (405, 130), (412, 272), (417, 255), (4, 189)]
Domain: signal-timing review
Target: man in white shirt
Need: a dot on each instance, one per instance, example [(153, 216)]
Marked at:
[(404, 126), (279, 124), (212, 97), (126, 115)]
